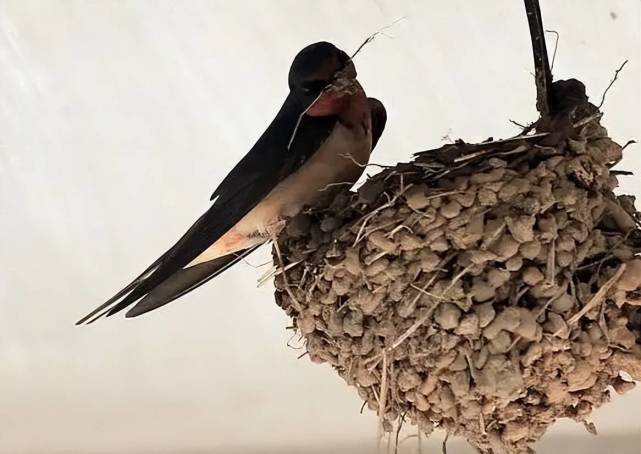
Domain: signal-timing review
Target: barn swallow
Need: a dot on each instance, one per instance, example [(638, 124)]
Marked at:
[(323, 134)]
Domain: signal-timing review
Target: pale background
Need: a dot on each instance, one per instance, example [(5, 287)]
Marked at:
[(118, 119)]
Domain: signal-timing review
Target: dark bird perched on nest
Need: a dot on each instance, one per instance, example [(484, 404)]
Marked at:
[(321, 139)]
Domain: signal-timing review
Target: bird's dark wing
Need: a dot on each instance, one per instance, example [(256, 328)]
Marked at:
[(379, 119), (187, 279), (269, 161)]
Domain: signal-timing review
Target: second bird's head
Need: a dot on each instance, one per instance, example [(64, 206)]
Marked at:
[(322, 75)]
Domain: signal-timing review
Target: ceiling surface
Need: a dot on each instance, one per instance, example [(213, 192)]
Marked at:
[(118, 119)]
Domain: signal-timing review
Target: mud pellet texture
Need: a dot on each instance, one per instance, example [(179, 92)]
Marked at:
[(497, 283)]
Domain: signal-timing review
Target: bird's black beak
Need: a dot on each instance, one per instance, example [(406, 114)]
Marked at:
[(344, 79)]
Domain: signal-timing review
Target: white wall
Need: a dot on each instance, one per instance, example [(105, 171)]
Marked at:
[(117, 120)]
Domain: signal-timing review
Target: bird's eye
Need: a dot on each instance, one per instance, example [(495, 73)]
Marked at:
[(314, 86)]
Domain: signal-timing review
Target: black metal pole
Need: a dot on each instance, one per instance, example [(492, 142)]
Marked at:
[(542, 72)]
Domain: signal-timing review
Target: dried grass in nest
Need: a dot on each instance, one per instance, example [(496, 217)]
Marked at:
[(485, 289)]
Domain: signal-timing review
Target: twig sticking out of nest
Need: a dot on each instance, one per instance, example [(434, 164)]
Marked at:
[(479, 288)]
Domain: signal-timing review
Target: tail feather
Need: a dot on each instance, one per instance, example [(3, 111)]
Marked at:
[(141, 285), (153, 296), (184, 281), (91, 316)]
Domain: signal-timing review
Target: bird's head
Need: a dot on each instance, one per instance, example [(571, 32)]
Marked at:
[(323, 77)]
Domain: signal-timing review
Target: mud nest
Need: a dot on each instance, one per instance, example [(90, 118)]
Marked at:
[(485, 289)]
